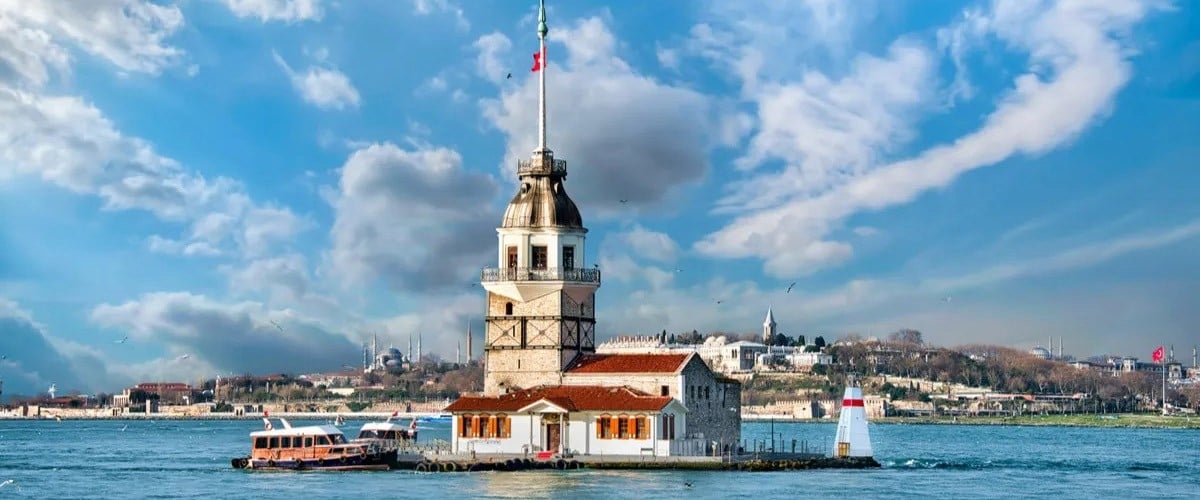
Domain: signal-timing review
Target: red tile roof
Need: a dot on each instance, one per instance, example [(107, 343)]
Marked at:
[(629, 363), (569, 397)]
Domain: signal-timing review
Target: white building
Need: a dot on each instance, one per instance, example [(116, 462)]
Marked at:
[(545, 387), (654, 404), (724, 356)]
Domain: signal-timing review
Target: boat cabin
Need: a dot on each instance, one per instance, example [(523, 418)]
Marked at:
[(316, 442), (386, 431)]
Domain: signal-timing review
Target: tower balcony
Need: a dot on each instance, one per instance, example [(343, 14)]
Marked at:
[(576, 275), (541, 166)]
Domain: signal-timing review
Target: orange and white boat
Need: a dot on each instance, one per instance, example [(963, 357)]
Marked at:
[(315, 447)]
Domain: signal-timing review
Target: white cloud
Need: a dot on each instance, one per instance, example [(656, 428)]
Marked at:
[(625, 135), (238, 337), (648, 244), (415, 219), (325, 88), (668, 58), (28, 55), (34, 359), (866, 231), (488, 63), (427, 7), (1084, 62), (276, 10), (285, 275), (130, 34), (914, 299)]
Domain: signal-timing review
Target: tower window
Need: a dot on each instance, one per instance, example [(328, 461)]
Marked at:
[(508, 309), (512, 257), (568, 257), (539, 257)]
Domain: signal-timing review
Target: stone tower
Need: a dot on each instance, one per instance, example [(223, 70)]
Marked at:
[(541, 297), (769, 327)]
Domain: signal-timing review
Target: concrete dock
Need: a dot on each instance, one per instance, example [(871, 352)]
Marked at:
[(752, 462)]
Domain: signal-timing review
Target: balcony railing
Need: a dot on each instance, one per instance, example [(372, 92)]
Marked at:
[(538, 166), (548, 274)]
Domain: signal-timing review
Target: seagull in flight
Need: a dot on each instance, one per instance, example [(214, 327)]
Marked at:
[(276, 325), (624, 201), (947, 299), (789, 290), (719, 301), (181, 358), (7, 482), (678, 270), (123, 340), (126, 427), (508, 77)]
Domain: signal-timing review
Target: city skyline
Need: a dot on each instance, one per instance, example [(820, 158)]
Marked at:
[(231, 186)]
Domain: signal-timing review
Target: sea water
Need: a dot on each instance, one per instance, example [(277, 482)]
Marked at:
[(190, 459)]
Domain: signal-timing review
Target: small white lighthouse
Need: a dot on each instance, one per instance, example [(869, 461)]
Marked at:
[(853, 439)]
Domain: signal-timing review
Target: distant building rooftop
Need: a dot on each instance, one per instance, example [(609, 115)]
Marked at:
[(629, 363)]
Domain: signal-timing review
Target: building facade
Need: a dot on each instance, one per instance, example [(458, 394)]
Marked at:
[(546, 390)]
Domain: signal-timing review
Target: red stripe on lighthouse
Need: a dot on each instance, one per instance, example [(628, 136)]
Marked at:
[(852, 402)]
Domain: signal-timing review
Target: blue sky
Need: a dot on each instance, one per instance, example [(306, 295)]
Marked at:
[(260, 185)]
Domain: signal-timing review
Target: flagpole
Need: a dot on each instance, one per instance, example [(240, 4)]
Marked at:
[(542, 29), (1164, 371)]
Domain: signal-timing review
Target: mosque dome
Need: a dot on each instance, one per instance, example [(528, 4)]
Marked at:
[(1040, 352)]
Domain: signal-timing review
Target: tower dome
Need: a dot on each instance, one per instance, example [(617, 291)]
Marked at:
[(541, 199)]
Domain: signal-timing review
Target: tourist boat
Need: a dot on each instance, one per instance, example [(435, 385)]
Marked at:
[(316, 447), (387, 434)]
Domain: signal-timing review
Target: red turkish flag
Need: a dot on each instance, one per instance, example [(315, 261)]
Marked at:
[(1158, 355), (538, 61)]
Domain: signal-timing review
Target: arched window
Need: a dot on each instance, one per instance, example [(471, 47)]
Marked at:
[(464, 426), (487, 426), (508, 309), (623, 427), (604, 427), (707, 394), (503, 426)]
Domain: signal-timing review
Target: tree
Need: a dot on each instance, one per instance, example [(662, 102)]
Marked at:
[(907, 336), (799, 341), (819, 342)]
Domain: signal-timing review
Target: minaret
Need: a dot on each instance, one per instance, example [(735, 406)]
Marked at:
[(409, 353), (418, 346), (374, 349), (541, 296), (769, 327), (853, 439), (469, 349), (458, 353)]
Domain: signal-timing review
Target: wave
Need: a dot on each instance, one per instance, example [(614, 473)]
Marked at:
[(1032, 464)]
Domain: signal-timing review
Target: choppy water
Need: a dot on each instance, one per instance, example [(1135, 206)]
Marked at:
[(188, 459)]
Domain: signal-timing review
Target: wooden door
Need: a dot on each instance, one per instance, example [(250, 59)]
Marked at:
[(553, 437)]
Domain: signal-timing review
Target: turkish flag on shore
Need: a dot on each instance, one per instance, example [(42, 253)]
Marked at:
[(1158, 355), (538, 61)]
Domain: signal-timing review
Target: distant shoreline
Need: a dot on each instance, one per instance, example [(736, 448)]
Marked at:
[(231, 416), (1122, 420)]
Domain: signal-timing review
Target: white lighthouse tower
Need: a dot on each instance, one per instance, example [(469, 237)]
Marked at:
[(852, 439), (541, 296)]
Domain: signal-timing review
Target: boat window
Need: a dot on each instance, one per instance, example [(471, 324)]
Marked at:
[(390, 435), (275, 442), (322, 441), (308, 442), (297, 442), (260, 443), (285, 442), (337, 438)]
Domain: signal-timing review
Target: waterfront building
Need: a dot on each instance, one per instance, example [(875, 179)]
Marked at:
[(546, 389), (726, 357)]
